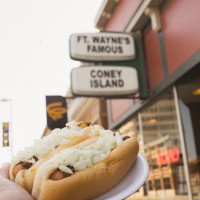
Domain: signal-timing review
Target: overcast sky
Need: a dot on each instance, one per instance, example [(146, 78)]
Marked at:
[(34, 57)]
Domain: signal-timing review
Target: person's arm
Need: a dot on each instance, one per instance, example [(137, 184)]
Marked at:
[(10, 190)]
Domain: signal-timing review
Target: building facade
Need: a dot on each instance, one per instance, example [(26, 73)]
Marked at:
[(166, 122), (91, 110)]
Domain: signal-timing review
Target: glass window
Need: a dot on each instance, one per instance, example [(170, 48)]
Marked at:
[(188, 89), (157, 131), (163, 149), (157, 184), (167, 183), (131, 128), (150, 185)]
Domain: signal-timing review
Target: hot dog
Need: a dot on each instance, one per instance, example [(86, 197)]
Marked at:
[(25, 164), (87, 169), (81, 162)]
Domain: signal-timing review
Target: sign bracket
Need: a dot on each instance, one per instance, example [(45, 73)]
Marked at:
[(108, 97)]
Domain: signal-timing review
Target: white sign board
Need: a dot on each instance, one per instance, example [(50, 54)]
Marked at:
[(103, 46), (104, 81)]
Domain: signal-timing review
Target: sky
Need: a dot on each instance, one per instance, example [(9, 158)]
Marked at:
[(35, 61)]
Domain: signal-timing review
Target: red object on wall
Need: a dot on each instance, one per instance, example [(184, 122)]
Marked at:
[(181, 29), (122, 14), (153, 58), (118, 107), (168, 156)]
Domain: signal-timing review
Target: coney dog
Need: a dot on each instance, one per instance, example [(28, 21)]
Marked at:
[(87, 169), (25, 164)]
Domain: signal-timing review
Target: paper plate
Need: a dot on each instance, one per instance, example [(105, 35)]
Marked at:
[(130, 183)]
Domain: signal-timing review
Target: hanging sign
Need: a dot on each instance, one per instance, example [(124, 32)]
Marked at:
[(104, 81), (103, 46), (56, 109)]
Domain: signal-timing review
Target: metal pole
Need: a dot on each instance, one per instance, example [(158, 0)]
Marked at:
[(10, 125), (143, 150), (183, 147)]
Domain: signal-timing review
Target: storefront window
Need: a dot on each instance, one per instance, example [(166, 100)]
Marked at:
[(188, 89), (162, 148), (131, 128)]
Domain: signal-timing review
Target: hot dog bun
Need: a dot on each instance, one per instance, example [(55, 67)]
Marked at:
[(88, 183)]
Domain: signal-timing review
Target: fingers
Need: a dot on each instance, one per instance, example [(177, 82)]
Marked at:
[(4, 170)]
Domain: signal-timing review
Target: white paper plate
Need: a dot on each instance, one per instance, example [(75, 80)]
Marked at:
[(130, 183)]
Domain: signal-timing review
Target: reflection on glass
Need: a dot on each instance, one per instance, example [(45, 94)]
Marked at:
[(161, 144), (131, 128), (163, 150), (188, 90)]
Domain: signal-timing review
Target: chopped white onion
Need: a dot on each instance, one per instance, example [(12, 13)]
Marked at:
[(65, 169), (118, 138), (88, 156), (47, 144)]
